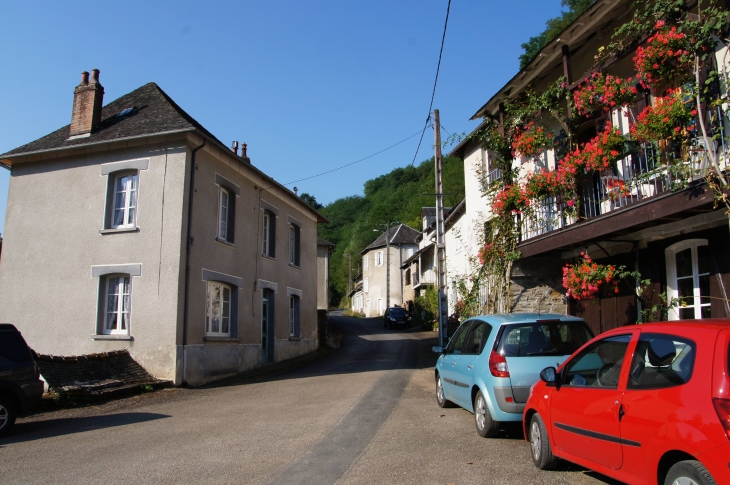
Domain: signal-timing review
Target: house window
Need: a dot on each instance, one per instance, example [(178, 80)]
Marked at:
[(124, 214), (365, 263), (218, 309), (408, 276), (226, 215), (293, 316), (688, 279), (380, 306), (365, 285), (379, 258), (294, 242), (269, 242), (117, 304)]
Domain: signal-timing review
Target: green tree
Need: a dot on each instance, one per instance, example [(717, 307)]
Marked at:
[(311, 200), (553, 27)]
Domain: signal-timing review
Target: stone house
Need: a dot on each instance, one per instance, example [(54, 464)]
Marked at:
[(376, 272), (631, 214), (168, 244)]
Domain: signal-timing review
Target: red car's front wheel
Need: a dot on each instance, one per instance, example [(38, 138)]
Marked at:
[(542, 454)]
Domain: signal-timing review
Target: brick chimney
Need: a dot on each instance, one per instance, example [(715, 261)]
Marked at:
[(243, 152), (88, 99)]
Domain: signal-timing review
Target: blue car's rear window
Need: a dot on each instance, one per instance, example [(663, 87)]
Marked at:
[(542, 338)]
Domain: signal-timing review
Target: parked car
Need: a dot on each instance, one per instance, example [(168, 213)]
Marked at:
[(491, 362), (396, 317), (662, 419), (20, 384)]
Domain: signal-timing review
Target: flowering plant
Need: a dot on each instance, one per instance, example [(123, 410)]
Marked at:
[(669, 117), (584, 279), (599, 153), (544, 184), (511, 198), (530, 140), (665, 57), (603, 92)]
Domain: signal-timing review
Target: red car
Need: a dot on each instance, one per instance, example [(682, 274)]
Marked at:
[(647, 404)]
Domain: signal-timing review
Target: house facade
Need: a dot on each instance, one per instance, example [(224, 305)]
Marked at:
[(649, 209), (324, 255), (377, 274), (169, 245)]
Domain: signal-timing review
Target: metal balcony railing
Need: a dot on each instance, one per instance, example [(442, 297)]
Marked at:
[(652, 170)]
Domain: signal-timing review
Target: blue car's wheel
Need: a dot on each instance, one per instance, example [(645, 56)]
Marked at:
[(486, 426), (440, 397)]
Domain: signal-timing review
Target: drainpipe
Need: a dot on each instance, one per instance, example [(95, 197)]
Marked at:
[(188, 245)]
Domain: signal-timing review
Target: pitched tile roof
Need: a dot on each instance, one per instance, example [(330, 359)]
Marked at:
[(154, 113), (400, 234)]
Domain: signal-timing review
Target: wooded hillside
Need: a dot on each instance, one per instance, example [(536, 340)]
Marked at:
[(395, 197)]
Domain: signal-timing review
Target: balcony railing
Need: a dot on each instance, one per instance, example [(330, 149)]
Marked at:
[(649, 172)]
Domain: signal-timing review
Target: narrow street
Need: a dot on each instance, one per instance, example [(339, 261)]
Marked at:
[(365, 413)]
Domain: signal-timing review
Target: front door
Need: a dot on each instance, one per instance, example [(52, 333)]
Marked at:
[(267, 325), (585, 409)]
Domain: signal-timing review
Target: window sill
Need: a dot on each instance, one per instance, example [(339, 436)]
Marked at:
[(295, 266), (268, 257), (295, 339), (211, 338), (119, 230), (112, 337), (224, 242)]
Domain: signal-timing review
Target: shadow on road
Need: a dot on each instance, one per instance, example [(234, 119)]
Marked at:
[(36, 430)]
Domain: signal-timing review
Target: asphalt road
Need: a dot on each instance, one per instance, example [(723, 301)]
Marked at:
[(364, 414)]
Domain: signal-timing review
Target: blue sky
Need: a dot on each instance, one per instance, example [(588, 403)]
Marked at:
[(310, 86)]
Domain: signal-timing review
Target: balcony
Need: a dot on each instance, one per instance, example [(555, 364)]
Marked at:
[(649, 173)]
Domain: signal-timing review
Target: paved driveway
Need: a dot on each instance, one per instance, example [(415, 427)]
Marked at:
[(366, 413)]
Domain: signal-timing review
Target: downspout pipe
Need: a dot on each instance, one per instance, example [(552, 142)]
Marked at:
[(189, 244)]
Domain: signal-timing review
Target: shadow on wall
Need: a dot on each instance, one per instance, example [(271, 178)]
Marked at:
[(51, 428)]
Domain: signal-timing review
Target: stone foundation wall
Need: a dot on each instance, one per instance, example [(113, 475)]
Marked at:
[(536, 286)]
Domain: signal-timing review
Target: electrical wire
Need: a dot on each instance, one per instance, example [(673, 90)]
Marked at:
[(433, 93), (357, 161)]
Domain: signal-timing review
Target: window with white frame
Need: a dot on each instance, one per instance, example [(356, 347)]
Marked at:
[(218, 309), (294, 316), (117, 304), (365, 285), (379, 258), (365, 264), (223, 206), (688, 279), (124, 214), (294, 241), (269, 234)]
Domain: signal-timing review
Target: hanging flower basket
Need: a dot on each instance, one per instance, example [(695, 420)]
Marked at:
[(531, 140), (584, 279), (603, 93), (665, 59), (670, 117)]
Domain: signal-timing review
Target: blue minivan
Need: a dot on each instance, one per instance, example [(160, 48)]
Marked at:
[(491, 362)]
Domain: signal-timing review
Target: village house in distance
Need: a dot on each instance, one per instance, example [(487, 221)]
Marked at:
[(161, 240)]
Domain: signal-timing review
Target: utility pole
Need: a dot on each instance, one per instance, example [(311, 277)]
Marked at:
[(387, 261), (440, 247)]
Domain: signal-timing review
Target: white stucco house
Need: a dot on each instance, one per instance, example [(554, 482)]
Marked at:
[(165, 243)]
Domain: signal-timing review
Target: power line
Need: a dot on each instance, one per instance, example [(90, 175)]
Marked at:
[(433, 93), (357, 161)]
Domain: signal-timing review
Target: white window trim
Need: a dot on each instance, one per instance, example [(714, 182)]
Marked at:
[(379, 258), (671, 263), (127, 206), (223, 222), (365, 265), (267, 233), (119, 310), (209, 308), (366, 285), (293, 301)]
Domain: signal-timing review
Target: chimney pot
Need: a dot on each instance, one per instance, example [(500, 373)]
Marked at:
[(243, 150), (88, 100), (234, 147)]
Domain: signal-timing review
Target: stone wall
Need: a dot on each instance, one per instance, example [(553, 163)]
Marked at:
[(536, 286)]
